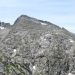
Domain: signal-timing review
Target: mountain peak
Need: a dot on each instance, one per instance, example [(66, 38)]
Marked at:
[(25, 16), (26, 22), (22, 18), (36, 47)]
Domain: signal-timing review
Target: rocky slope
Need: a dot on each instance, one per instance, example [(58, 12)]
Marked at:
[(4, 29), (36, 47)]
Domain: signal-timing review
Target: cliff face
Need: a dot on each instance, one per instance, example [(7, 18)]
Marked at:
[(36, 47)]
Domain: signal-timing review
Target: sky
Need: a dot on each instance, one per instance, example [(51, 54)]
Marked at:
[(59, 12)]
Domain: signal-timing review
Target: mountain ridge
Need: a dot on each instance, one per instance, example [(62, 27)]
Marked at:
[(36, 47)]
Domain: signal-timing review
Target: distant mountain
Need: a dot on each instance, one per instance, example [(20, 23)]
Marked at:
[(36, 47), (6, 25), (4, 29)]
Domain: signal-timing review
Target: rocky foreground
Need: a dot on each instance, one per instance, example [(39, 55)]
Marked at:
[(35, 47)]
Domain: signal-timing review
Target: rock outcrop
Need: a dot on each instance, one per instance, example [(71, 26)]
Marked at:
[(36, 47)]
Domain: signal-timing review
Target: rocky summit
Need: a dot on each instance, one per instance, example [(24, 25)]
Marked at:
[(36, 47)]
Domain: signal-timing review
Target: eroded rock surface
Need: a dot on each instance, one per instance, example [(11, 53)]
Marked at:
[(36, 47)]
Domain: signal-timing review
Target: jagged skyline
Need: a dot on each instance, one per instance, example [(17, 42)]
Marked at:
[(61, 13)]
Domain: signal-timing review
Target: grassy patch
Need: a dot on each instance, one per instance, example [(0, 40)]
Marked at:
[(0, 59)]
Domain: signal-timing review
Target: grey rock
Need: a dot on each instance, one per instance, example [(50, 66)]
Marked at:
[(36, 47)]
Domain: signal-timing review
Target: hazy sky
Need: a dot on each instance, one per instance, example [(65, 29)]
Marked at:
[(59, 12)]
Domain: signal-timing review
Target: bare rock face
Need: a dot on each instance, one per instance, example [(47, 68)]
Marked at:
[(4, 30), (36, 47)]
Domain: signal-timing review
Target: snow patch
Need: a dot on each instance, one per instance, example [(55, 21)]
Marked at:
[(70, 74), (71, 40), (43, 23), (2, 27), (14, 50), (34, 68)]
